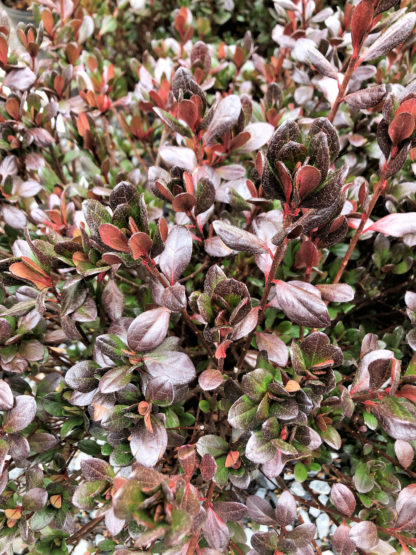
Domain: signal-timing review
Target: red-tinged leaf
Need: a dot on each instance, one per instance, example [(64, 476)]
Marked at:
[(172, 365), (230, 510), (187, 458), (225, 116), (6, 396), (41, 137), (276, 350), (21, 415), (147, 447), (239, 239), (301, 306), (336, 292), (260, 163), (21, 270), (81, 376), (114, 380), (364, 535), (404, 452), (261, 511), (215, 531), (396, 225), (163, 192), (267, 542), (83, 124), (188, 112), (29, 262), (184, 202), (395, 35), (408, 392), (408, 107), (208, 467), (397, 416), (406, 509), (96, 469), (366, 98), (307, 256), (401, 127), (174, 297), (341, 541), (113, 300), (285, 179), (246, 325), (343, 499), (232, 458), (163, 229), (113, 237), (189, 183), (307, 180), (362, 19), (239, 140), (35, 499), (286, 509), (148, 330), (13, 107), (140, 245), (259, 134), (177, 253), (221, 351), (4, 49), (210, 380), (20, 79)]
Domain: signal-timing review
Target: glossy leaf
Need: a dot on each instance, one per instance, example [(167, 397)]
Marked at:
[(177, 253), (301, 306), (238, 239), (149, 329), (6, 396), (148, 447), (225, 116), (21, 415), (343, 499), (395, 34)]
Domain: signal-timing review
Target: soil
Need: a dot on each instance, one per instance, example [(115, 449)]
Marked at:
[(18, 4)]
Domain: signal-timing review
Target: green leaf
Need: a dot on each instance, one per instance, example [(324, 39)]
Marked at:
[(127, 499), (362, 480), (242, 414), (69, 425), (213, 445), (41, 519), (95, 214), (89, 446), (370, 420), (85, 494), (332, 437), (301, 472)]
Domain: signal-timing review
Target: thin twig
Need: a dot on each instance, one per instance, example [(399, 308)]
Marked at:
[(85, 529), (379, 188)]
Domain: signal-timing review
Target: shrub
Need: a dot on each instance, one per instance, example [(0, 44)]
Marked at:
[(207, 280)]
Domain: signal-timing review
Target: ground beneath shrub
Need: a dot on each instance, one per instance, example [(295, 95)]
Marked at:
[(18, 4)]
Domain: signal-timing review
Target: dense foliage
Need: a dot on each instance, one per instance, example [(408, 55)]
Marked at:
[(207, 277)]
